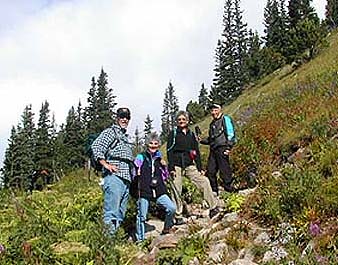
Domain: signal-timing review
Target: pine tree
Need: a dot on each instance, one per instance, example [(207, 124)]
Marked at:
[(91, 109), (331, 13), (230, 73), (240, 37), (148, 126), (203, 99), (27, 150), (138, 143), (299, 10), (105, 103), (253, 57), (18, 164), (276, 26), (10, 168), (196, 111), (74, 139), (170, 108), (43, 151)]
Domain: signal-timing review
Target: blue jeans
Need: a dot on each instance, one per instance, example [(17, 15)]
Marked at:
[(116, 195), (142, 211)]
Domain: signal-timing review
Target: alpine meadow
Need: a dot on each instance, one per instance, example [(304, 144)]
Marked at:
[(281, 91)]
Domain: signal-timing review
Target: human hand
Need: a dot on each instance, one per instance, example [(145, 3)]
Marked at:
[(163, 162), (111, 168), (227, 152)]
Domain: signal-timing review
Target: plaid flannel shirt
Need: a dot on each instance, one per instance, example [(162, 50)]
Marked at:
[(112, 144)]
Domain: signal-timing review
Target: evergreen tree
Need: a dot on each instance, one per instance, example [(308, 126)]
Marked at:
[(253, 57), (99, 114), (203, 99), (331, 13), (276, 27), (73, 139), (10, 168), (138, 143), (18, 164), (240, 38), (196, 111), (230, 72), (91, 109), (43, 151), (170, 108), (148, 126), (105, 103), (299, 10), (27, 148)]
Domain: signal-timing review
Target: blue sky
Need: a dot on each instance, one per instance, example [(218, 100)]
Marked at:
[(49, 50)]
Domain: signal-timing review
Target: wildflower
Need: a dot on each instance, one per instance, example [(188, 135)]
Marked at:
[(321, 259), (314, 229), (2, 249)]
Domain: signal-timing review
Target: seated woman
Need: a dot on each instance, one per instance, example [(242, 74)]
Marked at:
[(151, 173)]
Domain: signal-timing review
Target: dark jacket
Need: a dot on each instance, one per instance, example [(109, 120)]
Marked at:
[(180, 150), (151, 170), (217, 135)]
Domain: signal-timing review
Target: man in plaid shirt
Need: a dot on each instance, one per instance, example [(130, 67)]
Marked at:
[(113, 151)]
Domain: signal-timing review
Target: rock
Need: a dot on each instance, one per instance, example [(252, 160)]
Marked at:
[(220, 235), (230, 218), (242, 262), (217, 252), (246, 192), (246, 253), (194, 261), (165, 241), (262, 239), (276, 254)]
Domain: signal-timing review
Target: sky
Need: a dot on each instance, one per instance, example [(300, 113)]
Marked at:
[(50, 50)]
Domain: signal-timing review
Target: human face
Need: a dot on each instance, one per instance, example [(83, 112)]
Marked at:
[(153, 146), (182, 121), (123, 122), (215, 113)]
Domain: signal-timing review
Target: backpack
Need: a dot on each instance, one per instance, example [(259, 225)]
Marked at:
[(229, 129), (94, 163)]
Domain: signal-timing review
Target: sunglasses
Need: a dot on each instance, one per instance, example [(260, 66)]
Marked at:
[(153, 143), (124, 116), (181, 119)]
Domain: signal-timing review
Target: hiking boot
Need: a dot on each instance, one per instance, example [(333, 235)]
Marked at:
[(179, 221), (214, 212), (168, 230)]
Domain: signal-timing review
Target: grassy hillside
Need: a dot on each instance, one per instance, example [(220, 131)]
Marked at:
[(288, 132)]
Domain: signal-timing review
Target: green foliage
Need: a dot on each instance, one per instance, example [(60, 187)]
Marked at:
[(233, 201), (190, 193), (186, 250), (60, 226), (196, 111)]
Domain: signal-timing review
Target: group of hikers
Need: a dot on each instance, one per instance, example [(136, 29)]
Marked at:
[(112, 150)]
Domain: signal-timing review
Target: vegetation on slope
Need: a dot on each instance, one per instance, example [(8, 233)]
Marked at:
[(287, 129)]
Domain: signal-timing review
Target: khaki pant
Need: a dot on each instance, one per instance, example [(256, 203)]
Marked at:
[(199, 180)]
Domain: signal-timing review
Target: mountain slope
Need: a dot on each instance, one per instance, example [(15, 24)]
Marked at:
[(287, 128)]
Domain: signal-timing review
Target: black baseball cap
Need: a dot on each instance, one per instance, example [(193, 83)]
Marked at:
[(123, 113)]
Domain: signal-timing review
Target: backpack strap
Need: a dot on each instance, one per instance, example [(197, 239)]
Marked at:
[(174, 140), (229, 128)]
